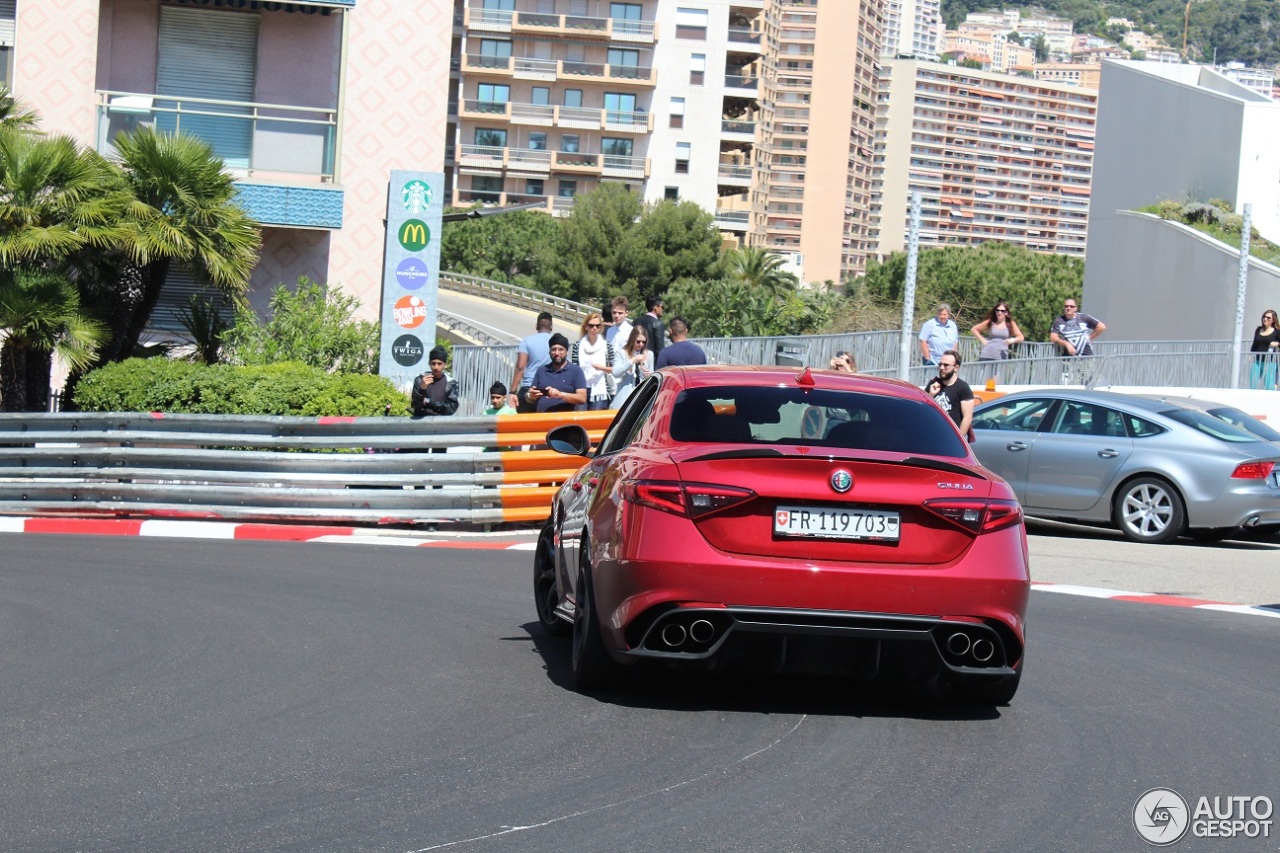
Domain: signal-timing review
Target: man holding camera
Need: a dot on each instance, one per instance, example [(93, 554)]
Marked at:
[(559, 385), (435, 392)]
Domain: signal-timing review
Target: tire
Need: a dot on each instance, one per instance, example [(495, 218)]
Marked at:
[(593, 669), (1148, 509), (546, 595)]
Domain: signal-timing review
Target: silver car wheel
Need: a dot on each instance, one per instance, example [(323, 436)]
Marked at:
[(1149, 511)]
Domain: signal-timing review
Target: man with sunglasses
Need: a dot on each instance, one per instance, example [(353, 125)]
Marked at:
[(1073, 331), (952, 394)]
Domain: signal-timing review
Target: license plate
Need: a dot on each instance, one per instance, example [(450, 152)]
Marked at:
[(828, 522)]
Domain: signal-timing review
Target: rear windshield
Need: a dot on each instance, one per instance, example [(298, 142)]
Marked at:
[(1209, 425), (816, 418), (1248, 423)]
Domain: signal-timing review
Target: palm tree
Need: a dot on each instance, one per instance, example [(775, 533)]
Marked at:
[(13, 113), (56, 201), (183, 211), (40, 311), (761, 268)]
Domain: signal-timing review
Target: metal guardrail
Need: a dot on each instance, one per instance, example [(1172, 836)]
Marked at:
[(394, 470), (520, 297)]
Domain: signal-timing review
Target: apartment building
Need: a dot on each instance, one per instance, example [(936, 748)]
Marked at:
[(913, 28), (1070, 73), (993, 157), (813, 179), (311, 103), (992, 48), (706, 107), (552, 99)]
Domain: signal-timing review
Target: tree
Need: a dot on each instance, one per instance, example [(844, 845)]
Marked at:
[(41, 315), (311, 325), (973, 278), (761, 268), (183, 211), (57, 202), (504, 248), (671, 240), (13, 113), (585, 261)]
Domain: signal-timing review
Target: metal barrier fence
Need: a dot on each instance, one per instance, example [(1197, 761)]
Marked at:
[(365, 470), (1163, 364)]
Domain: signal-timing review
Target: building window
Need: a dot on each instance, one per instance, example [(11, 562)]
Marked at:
[(540, 95), (486, 188), (684, 151), (677, 112), (573, 97), (533, 186), (569, 143), (567, 188), (491, 137), (538, 140), (492, 98), (691, 24), (617, 152), (697, 69), (671, 193), (619, 108)]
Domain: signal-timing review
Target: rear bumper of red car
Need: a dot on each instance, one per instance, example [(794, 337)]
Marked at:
[(653, 599)]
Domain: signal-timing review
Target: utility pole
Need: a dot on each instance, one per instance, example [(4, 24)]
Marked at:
[(1242, 286), (909, 290)]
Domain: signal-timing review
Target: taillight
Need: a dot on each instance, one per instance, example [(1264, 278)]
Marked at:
[(974, 515), (693, 500), (1253, 471)]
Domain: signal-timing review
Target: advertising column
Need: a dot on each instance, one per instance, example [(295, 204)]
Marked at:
[(410, 274)]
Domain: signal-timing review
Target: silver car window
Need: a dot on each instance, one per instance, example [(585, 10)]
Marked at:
[(1019, 415), (1211, 426)]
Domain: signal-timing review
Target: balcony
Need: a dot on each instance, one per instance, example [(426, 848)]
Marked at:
[(550, 70), (541, 25), (732, 220), (543, 162), (739, 131), (742, 86), (744, 40), (255, 140), (733, 176)]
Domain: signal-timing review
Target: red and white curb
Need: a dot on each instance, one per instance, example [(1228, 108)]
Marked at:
[(361, 536), (1154, 598), (243, 531)]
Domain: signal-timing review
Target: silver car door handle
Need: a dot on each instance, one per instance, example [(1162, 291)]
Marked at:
[(1015, 445), (1108, 454)]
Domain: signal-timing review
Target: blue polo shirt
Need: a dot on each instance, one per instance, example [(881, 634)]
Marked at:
[(568, 379)]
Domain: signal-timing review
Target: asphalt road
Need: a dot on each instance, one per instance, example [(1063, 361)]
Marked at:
[(504, 322), (211, 695)]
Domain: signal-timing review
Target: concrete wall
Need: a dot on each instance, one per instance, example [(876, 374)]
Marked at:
[(1171, 282), (1176, 132)]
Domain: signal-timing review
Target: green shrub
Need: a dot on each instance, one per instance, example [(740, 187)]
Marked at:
[(287, 388)]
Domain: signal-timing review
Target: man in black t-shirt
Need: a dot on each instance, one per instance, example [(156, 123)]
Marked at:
[(952, 393)]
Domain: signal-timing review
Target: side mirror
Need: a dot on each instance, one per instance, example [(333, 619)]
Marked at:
[(570, 439)]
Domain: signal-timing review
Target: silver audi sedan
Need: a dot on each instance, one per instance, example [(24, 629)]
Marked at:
[(1154, 469)]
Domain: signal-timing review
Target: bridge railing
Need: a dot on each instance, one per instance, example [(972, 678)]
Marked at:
[(520, 297)]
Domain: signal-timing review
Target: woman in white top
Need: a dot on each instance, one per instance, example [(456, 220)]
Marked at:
[(636, 361), (598, 360), (997, 333)]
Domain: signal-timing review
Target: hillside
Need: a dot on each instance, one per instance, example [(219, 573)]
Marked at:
[(1246, 31)]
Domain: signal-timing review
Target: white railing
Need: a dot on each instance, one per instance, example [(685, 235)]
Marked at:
[(251, 137)]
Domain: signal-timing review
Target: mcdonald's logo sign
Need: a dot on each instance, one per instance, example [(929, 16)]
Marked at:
[(414, 235)]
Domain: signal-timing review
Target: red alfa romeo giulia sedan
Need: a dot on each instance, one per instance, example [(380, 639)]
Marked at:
[(786, 521)]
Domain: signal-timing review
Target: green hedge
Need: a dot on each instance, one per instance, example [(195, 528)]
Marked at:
[(287, 388)]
